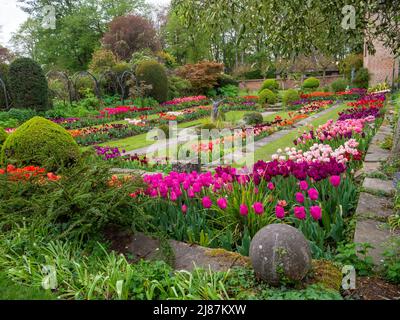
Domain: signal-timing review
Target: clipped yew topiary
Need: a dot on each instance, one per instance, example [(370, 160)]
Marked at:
[(270, 84), (153, 73), (40, 142), (311, 83), (267, 96), (4, 78), (289, 96), (28, 85)]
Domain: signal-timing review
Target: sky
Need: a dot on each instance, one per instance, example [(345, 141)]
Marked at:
[(11, 17)]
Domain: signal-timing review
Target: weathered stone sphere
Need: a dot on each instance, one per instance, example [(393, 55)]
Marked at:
[(279, 251)]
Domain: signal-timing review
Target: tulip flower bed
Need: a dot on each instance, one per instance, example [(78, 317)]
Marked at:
[(28, 173), (309, 186), (186, 102), (118, 160)]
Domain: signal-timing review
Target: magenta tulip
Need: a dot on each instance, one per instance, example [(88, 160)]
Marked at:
[(222, 203), (316, 212), (206, 201), (244, 210), (313, 194), (335, 181), (299, 197), (300, 213), (279, 212), (258, 208)]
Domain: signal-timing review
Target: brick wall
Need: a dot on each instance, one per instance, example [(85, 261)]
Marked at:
[(381, 64)]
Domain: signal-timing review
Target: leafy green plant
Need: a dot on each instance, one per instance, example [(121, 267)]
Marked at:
[(311, 83), (391, 261), (270, 84), (252, 118), (229, 91), (361, 80), (290, 96), (3, 136), (356, 254), (339, 85), (267, 96)]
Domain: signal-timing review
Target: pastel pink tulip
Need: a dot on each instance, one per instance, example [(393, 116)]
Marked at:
[(271, 186), (299, 197), (206, 201), (279, 212), (258, 208), (335, 181), (300, 213), (303, 185), (222, 203), (244, 211), (313, 194), (184, 208), (316, 212)]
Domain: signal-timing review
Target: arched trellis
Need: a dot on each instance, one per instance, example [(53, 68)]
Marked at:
[(122, 82), (81, 74), (112, 76), (5, 92), (65, 77)]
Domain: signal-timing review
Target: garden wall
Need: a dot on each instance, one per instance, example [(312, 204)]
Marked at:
[(286, 84)]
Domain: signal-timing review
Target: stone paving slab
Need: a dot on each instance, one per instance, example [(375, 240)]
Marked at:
[(375, 233), (371, 206), (379, 186), (377, 154)]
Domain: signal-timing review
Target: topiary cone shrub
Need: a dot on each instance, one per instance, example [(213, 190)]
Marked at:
[(40, 142), (153, 73), (28, 85)]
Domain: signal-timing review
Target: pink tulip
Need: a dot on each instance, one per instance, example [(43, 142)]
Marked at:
[(279, 212), (335, 181), (299, 197), (303, 185), (258, 208), (206, 201), (244, 210), (222, 203), (173, 196), (300, 213), (271, 186), (184, 208), (316, 212), (313, 194)]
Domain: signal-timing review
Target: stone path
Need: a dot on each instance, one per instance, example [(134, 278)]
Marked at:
[(375, 204)]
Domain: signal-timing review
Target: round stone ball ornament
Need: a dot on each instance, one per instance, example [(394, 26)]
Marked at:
[(280, 252)]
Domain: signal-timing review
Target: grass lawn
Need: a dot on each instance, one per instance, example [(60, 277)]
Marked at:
[(268, 150), (10, 290)]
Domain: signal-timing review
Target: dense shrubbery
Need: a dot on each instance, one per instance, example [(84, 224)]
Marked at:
[(28, 85), (4, 77), (153, 73), (310, 83), (267, 96), (203, 75), (361, 80), (178, 87), (3, 136), (270, 84), (290, 96), (339, 85), (252, 118), (40, 142)]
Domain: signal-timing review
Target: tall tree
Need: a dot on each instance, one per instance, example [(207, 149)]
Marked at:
[(128, 34)]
